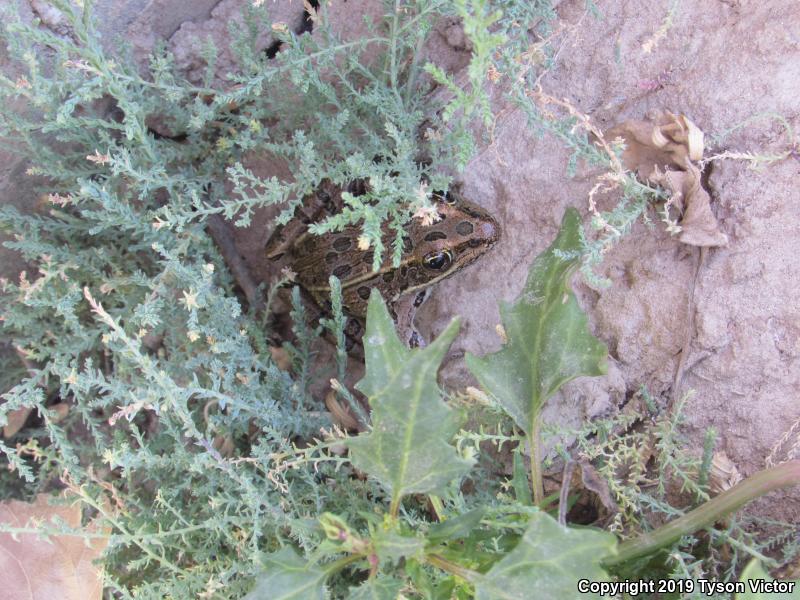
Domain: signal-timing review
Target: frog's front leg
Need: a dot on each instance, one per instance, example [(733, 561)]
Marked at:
[(404, 310)]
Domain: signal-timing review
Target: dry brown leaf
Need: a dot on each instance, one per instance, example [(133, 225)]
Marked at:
[(36, 569), (281, 358), (593, 482), (59, 412), (311, 11), (224, 445), (16, 421), (661, 151), (699, 226), (339, 414), (724, 473)]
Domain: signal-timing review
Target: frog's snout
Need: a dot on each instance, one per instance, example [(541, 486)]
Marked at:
[(488, 230)]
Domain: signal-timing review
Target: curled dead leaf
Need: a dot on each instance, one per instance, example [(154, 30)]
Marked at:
[(661, 151)]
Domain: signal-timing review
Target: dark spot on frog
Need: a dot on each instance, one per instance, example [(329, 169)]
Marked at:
[(464, 228), (357, 187), (475, 243), (353, 327), (342, 271), (331, 257), (278, 256), (471, 212), (368, 258), (388, 276), (364, 291), (342, 244), (420, 298), (439, 235)]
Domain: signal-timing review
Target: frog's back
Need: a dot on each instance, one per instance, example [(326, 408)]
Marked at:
[(431, 252)]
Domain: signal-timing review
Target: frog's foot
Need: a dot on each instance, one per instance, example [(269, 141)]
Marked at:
[(404, 310), (416, 340)]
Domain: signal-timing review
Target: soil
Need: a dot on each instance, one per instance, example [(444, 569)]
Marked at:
[(728, 68)]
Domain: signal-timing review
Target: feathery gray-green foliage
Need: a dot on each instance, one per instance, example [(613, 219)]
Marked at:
[(203, 459), (180, 425)]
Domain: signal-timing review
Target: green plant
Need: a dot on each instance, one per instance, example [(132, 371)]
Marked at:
[(407, 451), (493, 549), (208, 465), (549, 343), (180, 426)]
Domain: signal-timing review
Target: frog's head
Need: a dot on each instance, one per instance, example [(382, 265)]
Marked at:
[(462, 234)]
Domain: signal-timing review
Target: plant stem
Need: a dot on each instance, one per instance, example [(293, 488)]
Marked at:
[(754, 486), (393, 48), (452, 568), (412, 72), (438, 507), (535, 443), (128, 535), (340, 564)]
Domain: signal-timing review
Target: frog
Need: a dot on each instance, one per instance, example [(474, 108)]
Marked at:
[(461, 232)]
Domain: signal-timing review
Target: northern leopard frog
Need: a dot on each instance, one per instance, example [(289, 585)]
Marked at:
[(432, 252)]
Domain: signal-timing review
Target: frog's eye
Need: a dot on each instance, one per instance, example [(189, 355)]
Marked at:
[(438, 261)]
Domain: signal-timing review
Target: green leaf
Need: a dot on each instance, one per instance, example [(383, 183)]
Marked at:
[(756, 578), (379, 588), (391, 547), (549, 560), (288, 577), (407, 449), (548, 336), (519, 480), (456, 527)]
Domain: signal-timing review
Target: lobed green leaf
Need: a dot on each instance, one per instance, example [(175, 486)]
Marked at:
[(407, 449), (548, 562), (289, 577), (548, 336), (456, 527), (754, 575), (391, 547), (378, 588)]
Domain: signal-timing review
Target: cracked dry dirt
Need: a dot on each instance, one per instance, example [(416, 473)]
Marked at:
[(730, 68)]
